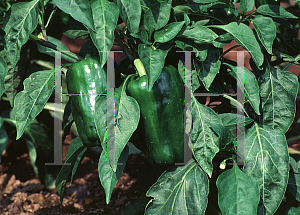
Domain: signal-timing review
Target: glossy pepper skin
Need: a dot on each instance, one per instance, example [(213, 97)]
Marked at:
[(162, 115), (86, 78)]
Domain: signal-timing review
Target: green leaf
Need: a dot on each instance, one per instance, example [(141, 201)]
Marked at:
[(14, 77), (22, 21), (76, 30), (267, 160), (205, 142), (136, 208), (294, 165), (32, 152), (130, 12), (222, 40), (76, 150), (205, 1), (209, 68), (108, 176), (251, 88), (101, 119), (275, 11), (238, 193), (246, 5), (127, 116), (79, 9), (293, 210), (3, 73), (67, 120), (294, 185), (229, 120), (143, 36), (179, 190), (245, 37), (187, 20), (199, 34), (51, 52), (168, 32), (3, 140), (153, 60), (30, 102), (157, 15), (266, 31), (40, 143), (88, 49), (105, 16), (195, 80), (294, 179), (278, 92)]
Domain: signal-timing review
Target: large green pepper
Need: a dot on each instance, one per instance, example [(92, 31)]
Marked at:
[(86, 79), (162, 115)]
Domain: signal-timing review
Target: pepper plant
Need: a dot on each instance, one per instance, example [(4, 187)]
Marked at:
[(232, 158)]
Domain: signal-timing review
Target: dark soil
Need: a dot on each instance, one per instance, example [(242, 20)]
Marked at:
[(22, 193)]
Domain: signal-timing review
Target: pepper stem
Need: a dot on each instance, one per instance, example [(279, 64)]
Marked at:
[(140, 67)]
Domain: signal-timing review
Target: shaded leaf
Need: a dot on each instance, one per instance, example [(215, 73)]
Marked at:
[(40, 143), (51, 52), (275, 11), (79, 9), (14, 76), (75, 151), (143, 36), (294, 165), (229, 120), (294, 179), (3, 73), (76, 30), (67, 120), (3, 140)]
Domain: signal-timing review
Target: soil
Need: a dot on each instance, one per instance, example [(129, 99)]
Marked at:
[(22, 193)]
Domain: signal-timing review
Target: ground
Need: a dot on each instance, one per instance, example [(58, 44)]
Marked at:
[(22, 193)]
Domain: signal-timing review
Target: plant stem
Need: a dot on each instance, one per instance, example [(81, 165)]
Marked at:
[(237, 102), (55, 47), (228, 50), (123, 47)]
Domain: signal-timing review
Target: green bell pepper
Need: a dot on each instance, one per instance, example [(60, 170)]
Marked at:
[(162, 115), (86, 79)]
